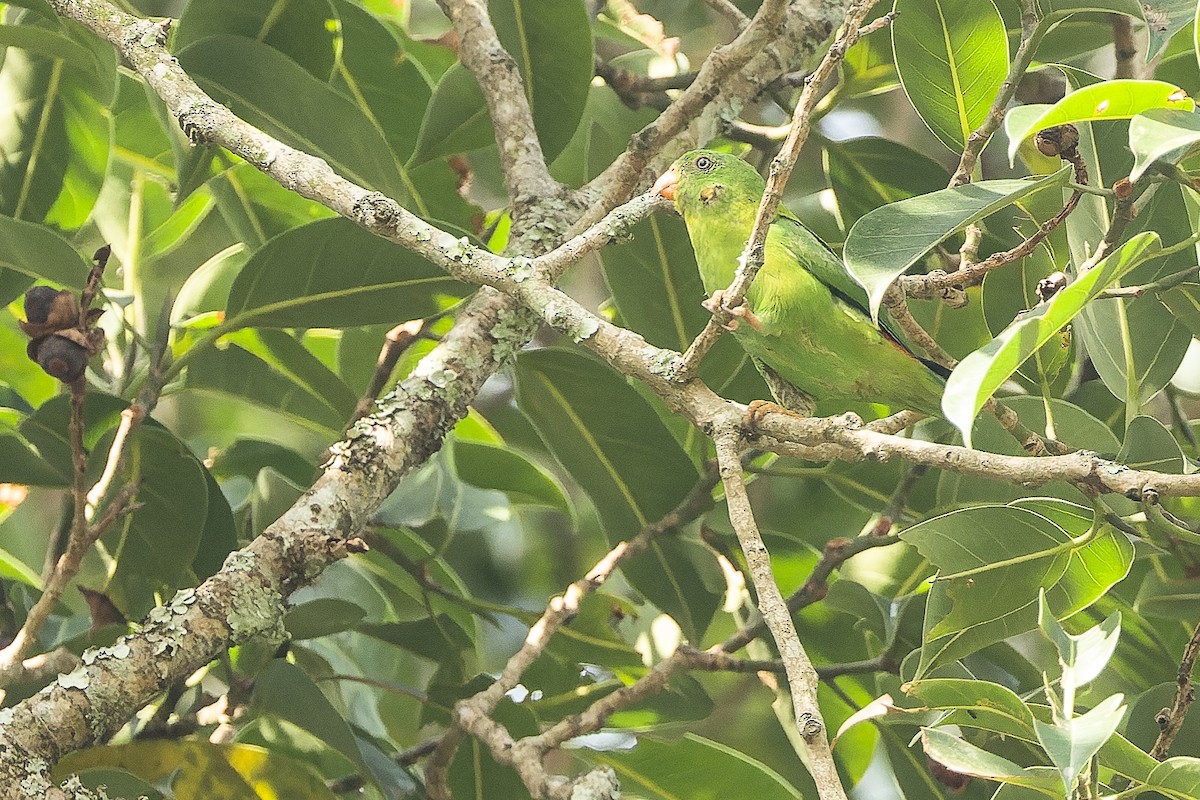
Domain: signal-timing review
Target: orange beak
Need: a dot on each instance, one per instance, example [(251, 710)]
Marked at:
[(667, 184)]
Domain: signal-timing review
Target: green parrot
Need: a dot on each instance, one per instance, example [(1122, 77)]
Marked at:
[(806, 317)]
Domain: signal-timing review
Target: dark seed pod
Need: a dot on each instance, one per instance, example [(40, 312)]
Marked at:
[(61, 357), (1057, 141), (38, 301)]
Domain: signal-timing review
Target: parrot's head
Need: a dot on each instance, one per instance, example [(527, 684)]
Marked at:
[(707, 182)]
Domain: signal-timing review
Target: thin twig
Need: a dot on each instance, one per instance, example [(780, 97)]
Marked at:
[(395, 343), (801, 677), (473, 714), (730, 12), (11, 657), (1125, 46), (131, 417), (1032, 31), (752, 256), (1160, 285), (634, 87), (935, 284), (720, 661), (1172, 718), (901, 314)]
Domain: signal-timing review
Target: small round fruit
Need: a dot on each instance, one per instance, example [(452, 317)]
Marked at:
[(62, 358)]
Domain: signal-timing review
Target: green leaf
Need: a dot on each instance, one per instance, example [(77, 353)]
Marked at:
[(551, 41), (287, 356), (1183, 301), (1178, 778), (284, 690), (1136, 346), (321, 617), (1164, 19), (269, 90), (21, 464), (41, 6), (883, 244), (982, 704), (375, 71), (1072, 743), (614, 445), (55, 129), (966, 758), (220, 535), (153, 546), (200, 769), (993, 561), (978, 375), (54, 43), (456, 119), (247, 456), (235, 372), (434, 638), (606, 435), (119, 782), (870, 172), (1086, 654), (1167, 597), (494, 466), (13, 569), (332, 273), (1116, 99), (207, 288), (273, 495), (46, 428), (701, 770), (301, 32), (256, 208), (952, 59), (1150, 446), (1094, 568), (1162, 136), (1057, 9)]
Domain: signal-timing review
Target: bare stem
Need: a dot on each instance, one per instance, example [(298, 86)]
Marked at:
[(1185, 693), (801, 677), (395, 343)]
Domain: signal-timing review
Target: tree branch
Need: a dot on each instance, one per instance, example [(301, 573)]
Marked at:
[(525, 173), (473, 715), (801, 677)]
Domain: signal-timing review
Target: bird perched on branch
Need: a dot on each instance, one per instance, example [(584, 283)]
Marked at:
[(804, 317)]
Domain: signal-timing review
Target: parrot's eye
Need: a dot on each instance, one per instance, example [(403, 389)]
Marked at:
[(704, 163)]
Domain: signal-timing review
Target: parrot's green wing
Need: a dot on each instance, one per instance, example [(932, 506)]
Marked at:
[(824, 264), (818, 259)]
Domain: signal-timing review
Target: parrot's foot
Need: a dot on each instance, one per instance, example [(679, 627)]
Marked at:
[(740, 312), (758, 409)]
